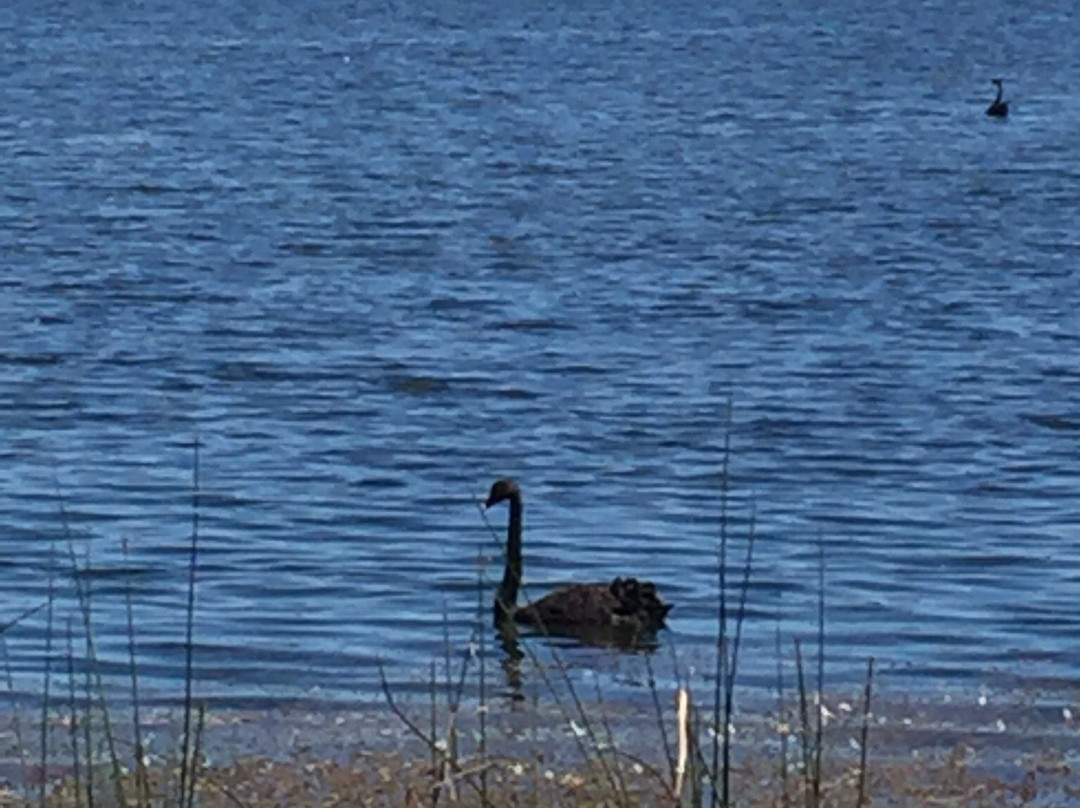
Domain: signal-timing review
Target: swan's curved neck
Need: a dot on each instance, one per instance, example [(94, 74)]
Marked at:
[(999, 94), (506, 597)]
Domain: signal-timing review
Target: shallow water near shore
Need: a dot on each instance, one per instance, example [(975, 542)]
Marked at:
[(375, 257)]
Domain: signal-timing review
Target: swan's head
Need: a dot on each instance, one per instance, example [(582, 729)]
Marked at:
[(996, 82), (502, 489)]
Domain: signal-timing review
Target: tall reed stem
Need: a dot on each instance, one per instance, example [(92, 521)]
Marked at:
[(865, 741), (142, 784), (47, 684), (820, 671), (84, 590), (189, 647), (24, 766), (721, 619), (73, 730), (781, 707), (804, 726)]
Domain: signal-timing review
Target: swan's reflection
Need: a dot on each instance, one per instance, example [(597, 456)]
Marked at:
[(619, 638)]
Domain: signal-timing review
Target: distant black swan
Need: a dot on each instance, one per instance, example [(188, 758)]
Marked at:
[(625, 604), (999, 109)]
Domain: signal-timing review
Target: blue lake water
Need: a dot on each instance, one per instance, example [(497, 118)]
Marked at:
[(376, 255)]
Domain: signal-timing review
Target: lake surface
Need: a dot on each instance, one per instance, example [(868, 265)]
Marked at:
[(376, 255)]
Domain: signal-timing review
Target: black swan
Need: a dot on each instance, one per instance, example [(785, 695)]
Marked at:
[(624, 605), (999, 109)]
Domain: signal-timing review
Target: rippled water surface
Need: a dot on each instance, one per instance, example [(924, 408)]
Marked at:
[(377, 255)]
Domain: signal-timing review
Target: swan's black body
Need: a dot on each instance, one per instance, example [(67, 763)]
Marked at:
[(624, 605), (998, 109)]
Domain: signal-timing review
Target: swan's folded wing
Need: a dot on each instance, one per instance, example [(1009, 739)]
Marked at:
[(579, 604)]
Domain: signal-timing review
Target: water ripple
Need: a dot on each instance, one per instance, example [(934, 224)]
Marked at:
[(373, 267)]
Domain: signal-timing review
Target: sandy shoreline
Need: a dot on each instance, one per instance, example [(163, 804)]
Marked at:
[(1001, 741)]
